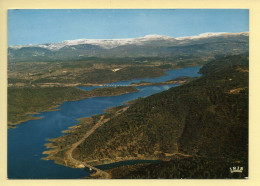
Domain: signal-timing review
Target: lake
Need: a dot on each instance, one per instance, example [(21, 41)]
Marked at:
[(26, 142)]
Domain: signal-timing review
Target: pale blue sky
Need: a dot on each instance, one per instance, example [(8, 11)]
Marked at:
[(47, 26)]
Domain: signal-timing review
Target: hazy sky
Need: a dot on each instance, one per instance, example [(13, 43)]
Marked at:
[(46, 26)]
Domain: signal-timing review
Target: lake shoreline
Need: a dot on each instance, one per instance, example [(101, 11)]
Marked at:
[(63, 121), (180, 81), (53, 150), (12, 125)]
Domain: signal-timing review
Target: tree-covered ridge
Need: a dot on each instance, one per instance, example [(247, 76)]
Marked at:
[(206, 117), (24, 101)]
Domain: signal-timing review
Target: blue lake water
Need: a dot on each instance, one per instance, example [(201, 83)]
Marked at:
[(26, 142), (171, 74)]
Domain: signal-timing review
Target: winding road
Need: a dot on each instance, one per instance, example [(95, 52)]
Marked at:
[(74, 146), (100, 122)]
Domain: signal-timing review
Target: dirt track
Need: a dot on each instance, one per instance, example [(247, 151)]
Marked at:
[(74, 146), (78, 163)]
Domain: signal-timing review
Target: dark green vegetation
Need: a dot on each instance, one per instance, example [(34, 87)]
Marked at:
[(24, 101), (179, 167)]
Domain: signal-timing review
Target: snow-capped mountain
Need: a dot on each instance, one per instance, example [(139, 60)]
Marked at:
[(149, 45), (112, 43), (210, 34), (104, 43)]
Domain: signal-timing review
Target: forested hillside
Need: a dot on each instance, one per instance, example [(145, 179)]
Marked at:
[(207, 117), (184, 167)]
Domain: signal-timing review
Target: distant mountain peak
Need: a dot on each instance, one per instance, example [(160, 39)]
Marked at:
[(156, 36), (112, 43), (212, 34)]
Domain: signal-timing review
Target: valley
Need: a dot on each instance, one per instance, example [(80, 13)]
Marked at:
[(179, 102), (178, 123)]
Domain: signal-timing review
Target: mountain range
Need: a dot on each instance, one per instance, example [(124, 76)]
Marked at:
[(209, 44)]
